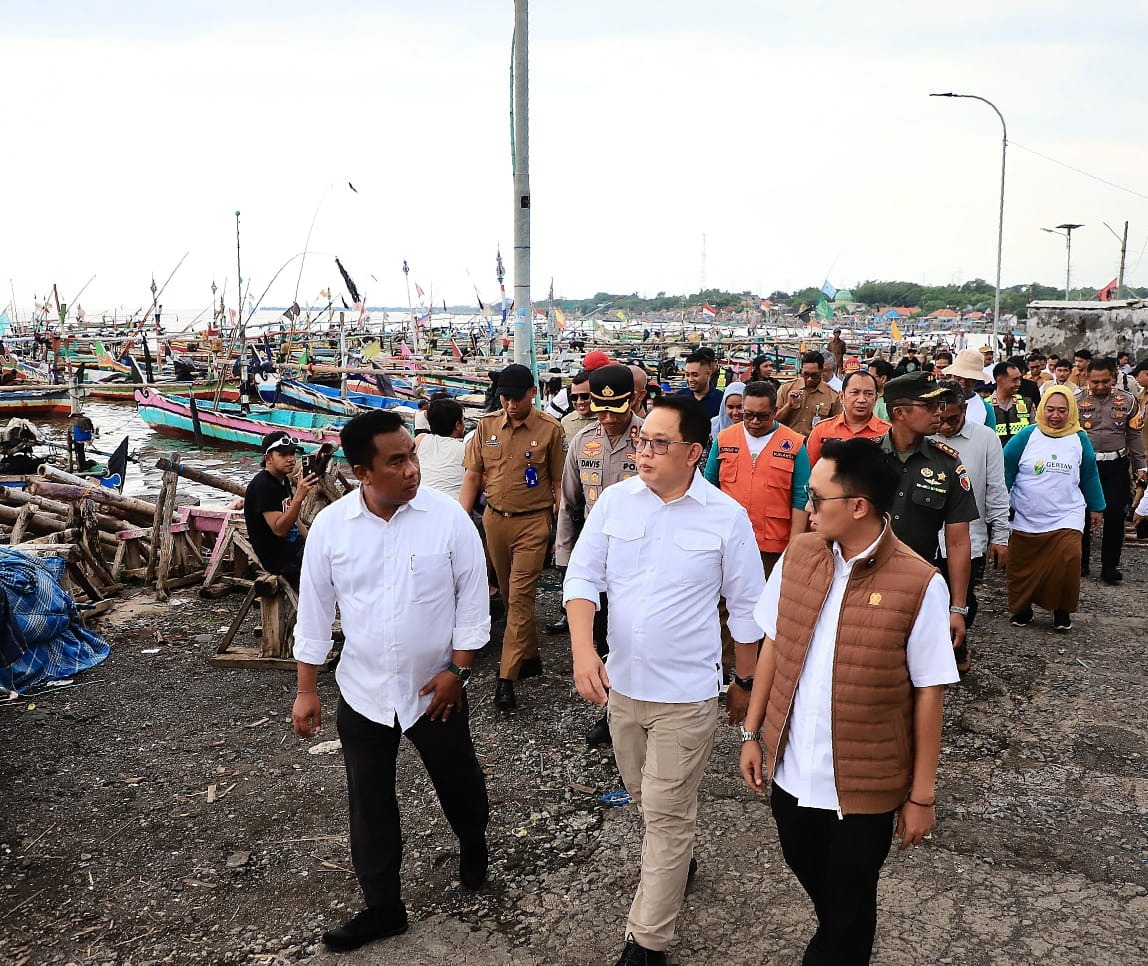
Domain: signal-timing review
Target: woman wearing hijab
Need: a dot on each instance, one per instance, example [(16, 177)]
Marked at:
[(1050, 471), (730, 411)]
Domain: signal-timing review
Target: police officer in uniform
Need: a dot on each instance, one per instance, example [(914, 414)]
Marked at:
[(1113, 421), (515, 456), (1010, 408), (599, 456), (934, 490)]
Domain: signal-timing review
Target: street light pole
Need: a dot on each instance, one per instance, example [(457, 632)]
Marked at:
[(1067, 233), (1000, 220)]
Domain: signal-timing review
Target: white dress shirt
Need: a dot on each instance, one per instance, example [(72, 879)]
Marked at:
[(663, 567), (806, 766), (981, 452), (409, 590)]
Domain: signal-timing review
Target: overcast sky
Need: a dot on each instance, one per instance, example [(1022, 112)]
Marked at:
[(798, 137)]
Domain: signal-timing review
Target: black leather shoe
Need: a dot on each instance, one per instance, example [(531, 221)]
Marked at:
[(497, 609), (693, 873), (366, 926), (560, 626), (1110, 575), (531, 667), (636, 955), (599, 734), (504, 695), (472, 863)]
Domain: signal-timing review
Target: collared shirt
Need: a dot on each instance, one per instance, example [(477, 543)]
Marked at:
[(806, 766), (573, 423), (663, 567), (838, 428), (711, 401), (983, 458), (592, 464), (816, 405), (503, 453), (410, 590), (1113, 422), (934, 490)]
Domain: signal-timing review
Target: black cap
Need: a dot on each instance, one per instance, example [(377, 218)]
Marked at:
[(1141, 366), (515, 381), (280, 439), (611, 389), (914, 387)]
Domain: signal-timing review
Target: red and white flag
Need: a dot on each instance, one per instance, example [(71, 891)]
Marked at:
[(1106, 293), (455, 350), (709, 311), (419, 289)]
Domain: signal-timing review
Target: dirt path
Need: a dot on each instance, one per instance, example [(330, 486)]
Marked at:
[(161, 811)]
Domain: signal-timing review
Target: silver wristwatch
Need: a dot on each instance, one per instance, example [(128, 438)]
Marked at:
[(750, 735)]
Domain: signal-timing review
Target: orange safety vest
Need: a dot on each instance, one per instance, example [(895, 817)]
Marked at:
[(763, 486)]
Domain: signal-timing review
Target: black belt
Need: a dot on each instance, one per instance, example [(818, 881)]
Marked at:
[(520, 513)]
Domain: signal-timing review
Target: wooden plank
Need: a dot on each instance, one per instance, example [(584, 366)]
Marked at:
[(224, 644), (249, 657)]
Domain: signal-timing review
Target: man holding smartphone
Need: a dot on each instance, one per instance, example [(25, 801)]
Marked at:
[(271, 508)]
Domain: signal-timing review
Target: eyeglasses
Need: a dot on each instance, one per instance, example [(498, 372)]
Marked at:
[(752, 417), (579, 396), (934, 407), (660, 446), (811, 375), (815, 501)]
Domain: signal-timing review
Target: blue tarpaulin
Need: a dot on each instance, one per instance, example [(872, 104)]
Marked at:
[(42, 638)]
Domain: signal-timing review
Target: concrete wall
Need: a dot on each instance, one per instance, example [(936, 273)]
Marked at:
[(1104, 327)]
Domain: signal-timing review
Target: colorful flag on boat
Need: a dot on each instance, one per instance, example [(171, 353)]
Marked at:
[(828, 290), (422, 318), (895, 332), (352, 289), (1104, 295), (419, 289), (709, 312), (824, 310), (5, 321), (455, 350), (621, 315), (405, 350), (559, 317), (372, 350)]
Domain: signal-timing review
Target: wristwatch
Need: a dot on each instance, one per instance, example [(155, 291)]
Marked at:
[(746, 684), (750, 735), (462, 673), (963, 611)]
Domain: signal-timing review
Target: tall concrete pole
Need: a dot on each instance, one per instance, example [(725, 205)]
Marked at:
[(523, 323)]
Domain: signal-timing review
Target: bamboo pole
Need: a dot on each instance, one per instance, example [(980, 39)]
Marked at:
[(105, 522), (197, 475), (66, 491)]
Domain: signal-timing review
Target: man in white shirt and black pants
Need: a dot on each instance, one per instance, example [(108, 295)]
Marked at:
[(663, 547), (406, 568)]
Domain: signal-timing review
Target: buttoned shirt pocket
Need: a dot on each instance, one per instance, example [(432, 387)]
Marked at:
[(625, 538), (929, 503), (431, 577), (697, 557)]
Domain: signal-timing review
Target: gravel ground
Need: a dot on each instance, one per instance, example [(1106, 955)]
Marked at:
[(162, 811)]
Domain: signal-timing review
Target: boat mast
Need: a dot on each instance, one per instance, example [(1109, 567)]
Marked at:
[(523, 324), (244, 401)]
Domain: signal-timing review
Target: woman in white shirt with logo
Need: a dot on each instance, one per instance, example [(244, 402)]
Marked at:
[(1050, 471)]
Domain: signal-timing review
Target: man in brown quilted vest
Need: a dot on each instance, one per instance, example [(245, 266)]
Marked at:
[(849, 687)]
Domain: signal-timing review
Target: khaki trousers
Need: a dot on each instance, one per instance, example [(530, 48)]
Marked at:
[(661, 751), (768, 561), (517, 547)]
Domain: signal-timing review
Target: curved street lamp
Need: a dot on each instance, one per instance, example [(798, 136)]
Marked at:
[(1000, 223)]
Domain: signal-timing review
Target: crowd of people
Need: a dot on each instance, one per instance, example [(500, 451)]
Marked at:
[(805, 551)]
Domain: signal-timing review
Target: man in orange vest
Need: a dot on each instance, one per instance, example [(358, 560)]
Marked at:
[(858, 399), (764, 466)]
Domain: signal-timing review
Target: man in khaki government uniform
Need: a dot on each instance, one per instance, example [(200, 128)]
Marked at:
[(599, 457), (515, 456), (1111, 417), (803, 402)]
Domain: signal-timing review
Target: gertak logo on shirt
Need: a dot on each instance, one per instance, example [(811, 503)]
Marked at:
[(1051, 465)]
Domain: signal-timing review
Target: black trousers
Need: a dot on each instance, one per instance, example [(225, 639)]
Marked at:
[(976, 575), (601, 619), (837, 861), (1117, 486), (370, 751)]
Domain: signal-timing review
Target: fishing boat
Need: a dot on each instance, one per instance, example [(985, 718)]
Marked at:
[(230, 424), (39, 401), (125, 391), (326, 399)]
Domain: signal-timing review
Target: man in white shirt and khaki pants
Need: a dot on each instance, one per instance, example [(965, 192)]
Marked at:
[(406, 568), (663, 547)]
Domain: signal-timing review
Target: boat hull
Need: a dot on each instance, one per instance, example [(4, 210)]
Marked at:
[(34, 402)]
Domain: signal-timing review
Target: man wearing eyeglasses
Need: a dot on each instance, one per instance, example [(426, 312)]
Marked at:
[(849, 691), (934, 490), (803, 402), (580, 417), (663, 547), (983, 459)]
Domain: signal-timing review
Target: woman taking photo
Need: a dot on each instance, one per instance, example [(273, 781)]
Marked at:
[(1050, 471)]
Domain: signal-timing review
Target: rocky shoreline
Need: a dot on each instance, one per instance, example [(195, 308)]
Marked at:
[(161, 811)]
